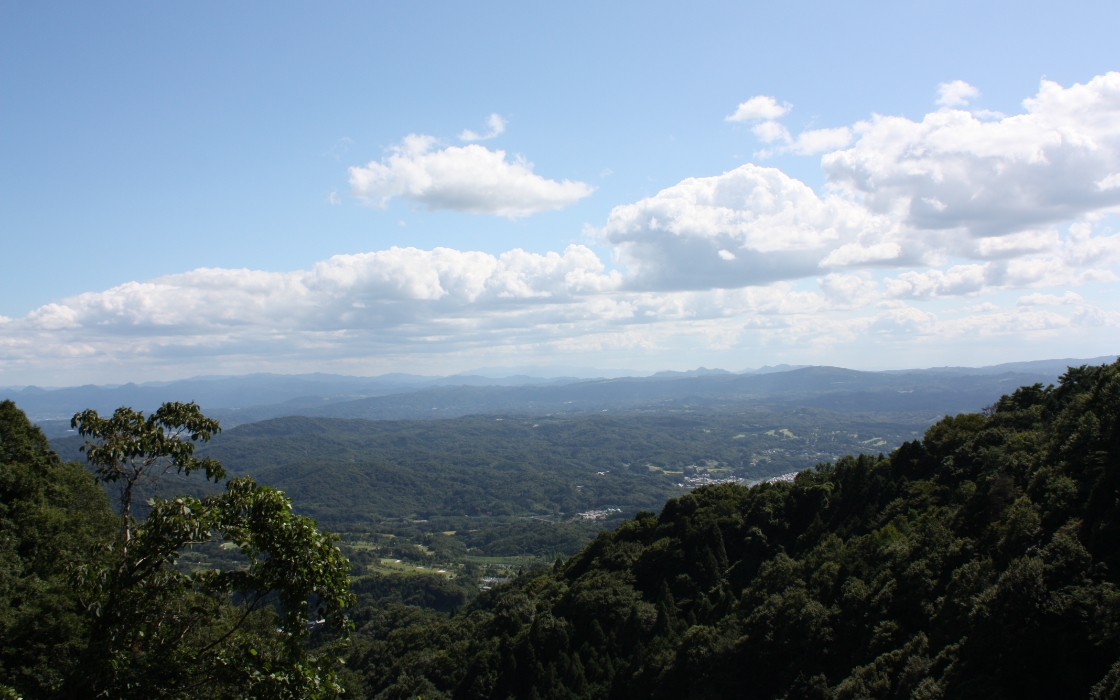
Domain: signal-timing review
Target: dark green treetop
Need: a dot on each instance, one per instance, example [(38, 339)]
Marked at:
[(51, 516), (124, 620), (127, 447)]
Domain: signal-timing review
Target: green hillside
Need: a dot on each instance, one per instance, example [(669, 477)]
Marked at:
[(511, 489), (354, 474), (979, 562), (346, 473)]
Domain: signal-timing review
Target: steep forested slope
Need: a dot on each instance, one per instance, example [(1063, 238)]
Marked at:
[(51, 515), (980, 562)]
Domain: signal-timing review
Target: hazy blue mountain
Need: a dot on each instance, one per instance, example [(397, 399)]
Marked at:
[(698, 372), (770, 369), (248, 398), (549, 372), (289, 393), (1056, 367), (831, 388)]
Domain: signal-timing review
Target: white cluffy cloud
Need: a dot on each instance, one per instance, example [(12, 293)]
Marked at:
[(759, 107), (967, 178), (396, 296), (807, 143), (1037, 299), (497, 127), (471, 179), (984, 193), (765, 110), (387, 309), (752, 225), (821, 140), (956, 93), (914, 216)]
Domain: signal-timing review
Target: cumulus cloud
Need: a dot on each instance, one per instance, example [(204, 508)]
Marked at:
[(956, 93), (497, 127), (752, 225), (759, 107), (906, 193), (1037, 299), (850, 291), (987, 194), (471, 179), (986, 307), (765, 110), (344, 291), (905, 320), (954, 173), (771, 131), (972, 278), (399, 297), (1019, 261), (956, 205), (402, 304), (821, 140), (807, 143), (1091, 316), (859, 254), (959, 280), (1082, 248)]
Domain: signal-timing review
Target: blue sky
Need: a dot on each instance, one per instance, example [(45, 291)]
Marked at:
[(142, 141)]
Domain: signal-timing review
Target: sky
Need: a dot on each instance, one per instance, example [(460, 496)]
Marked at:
[(361, 188)]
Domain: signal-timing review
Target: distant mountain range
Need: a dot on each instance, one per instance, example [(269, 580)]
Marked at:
[(833, 388), (248, 398), (549, 372), (242, 391)]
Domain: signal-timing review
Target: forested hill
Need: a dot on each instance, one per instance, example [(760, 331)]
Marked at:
[(979, 562), (350, 473)]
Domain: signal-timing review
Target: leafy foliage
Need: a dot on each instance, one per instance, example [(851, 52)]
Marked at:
[(51, 514), (979, 562), (161, 632), (137, 626), (129, 447)]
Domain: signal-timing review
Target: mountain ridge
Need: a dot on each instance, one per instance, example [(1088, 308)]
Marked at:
[(246, 398)]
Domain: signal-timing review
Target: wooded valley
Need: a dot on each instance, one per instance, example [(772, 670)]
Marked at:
[(595, 556)]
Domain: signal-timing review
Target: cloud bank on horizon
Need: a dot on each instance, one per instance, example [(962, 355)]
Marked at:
[(958, 205)]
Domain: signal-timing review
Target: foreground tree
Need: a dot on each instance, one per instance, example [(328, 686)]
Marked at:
[(147, 629), (51, 515), (128, 448)]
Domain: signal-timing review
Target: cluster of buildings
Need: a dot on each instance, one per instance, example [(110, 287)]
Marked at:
[(489, 582), (692, 482), (597, 514), (784, 477)]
